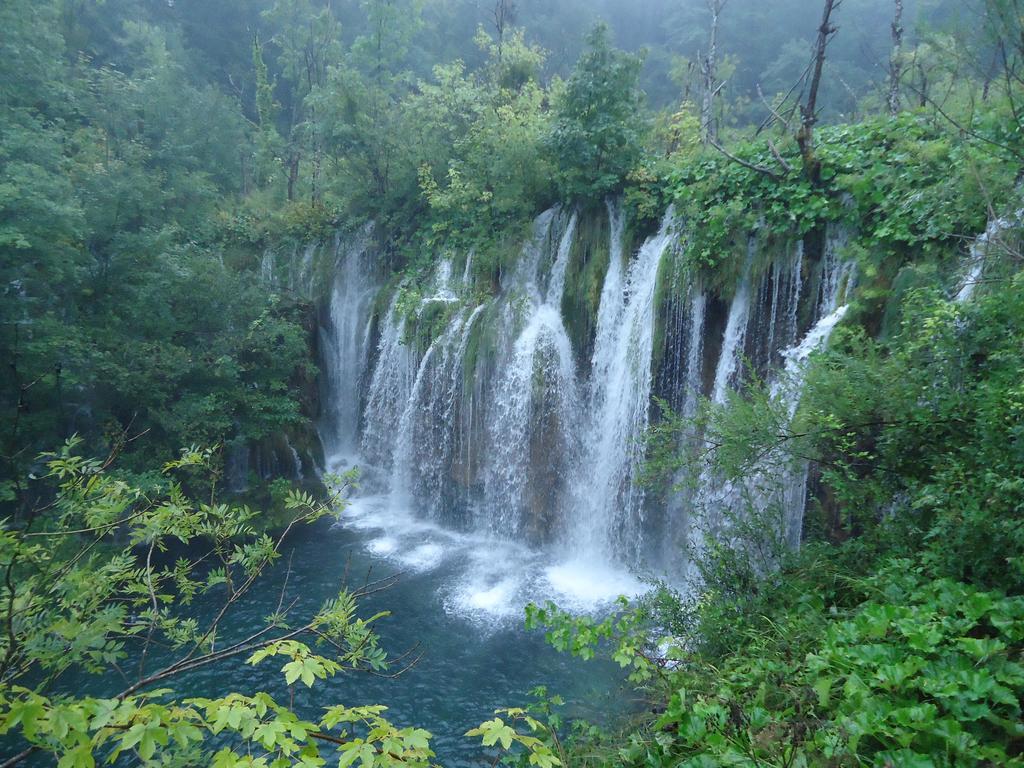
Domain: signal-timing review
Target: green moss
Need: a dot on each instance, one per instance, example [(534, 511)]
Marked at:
[(480, 346), (667, 286), (434, 317), (909, 278), (722, 278), (495, 257), (584, 279)]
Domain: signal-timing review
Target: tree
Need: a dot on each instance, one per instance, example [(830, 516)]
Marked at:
[(119, 303), (599, 121), (1004, 29), (86, 590), (308, 40), (809, 109), (895, 60), (504, 17), (268, 141), (42, 225), (710, 86), (359, 107), (484, 170), (87, 587)]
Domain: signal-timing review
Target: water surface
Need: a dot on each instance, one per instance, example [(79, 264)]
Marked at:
[(456, 607)]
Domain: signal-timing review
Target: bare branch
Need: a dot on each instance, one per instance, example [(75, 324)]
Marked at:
[(775, 116), (759, 168), (786, 167)]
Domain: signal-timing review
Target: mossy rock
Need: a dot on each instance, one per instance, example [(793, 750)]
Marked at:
[(584, 280), (910, 278), (434, 317)]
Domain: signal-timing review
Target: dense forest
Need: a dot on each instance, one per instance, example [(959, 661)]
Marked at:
[(725, 296)]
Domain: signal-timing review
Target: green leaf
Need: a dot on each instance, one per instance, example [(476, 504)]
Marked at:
[(823, 687)]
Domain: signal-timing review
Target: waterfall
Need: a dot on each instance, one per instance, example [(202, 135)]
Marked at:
[(430, 430), (267, 267), (346, 343), (534, 404), (782, 480), (479, 417), (777, 482), (978, 256), (683, 386), (236, 466), (400, 378), (303, 273), (297, 468), (776, 311), (791, 479), (730, 358), (609, 515), (685, 310), (390, 387), (613, 301), (837, 275), (556, 281), (443, 291), (697, 301)]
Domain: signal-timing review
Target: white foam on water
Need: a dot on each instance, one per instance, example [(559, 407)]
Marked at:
[(487, 580), (385, 545), (587, 585), (362, 506), (365, 513), (496, 601), (491, 589), (425, 557)]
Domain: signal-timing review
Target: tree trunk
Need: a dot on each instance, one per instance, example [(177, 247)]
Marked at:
[(317, 157), (809, 109), (246, 175), (895, 60), (504, 16), (293, 175), (709, 74)]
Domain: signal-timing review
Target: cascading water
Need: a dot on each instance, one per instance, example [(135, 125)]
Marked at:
[(730, 359), (609, 502), (980, 250), (535, 402), (775, 327), (390, 387), (837, 275), (790, 487), (429, 431), (787, 488), (613, 301), (697, 301), (302, 276), (404, 385), (773, 492), (346, 338), (267, 267), (479, 417)]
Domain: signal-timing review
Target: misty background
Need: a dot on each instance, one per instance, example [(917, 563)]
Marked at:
[(764, 43)]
